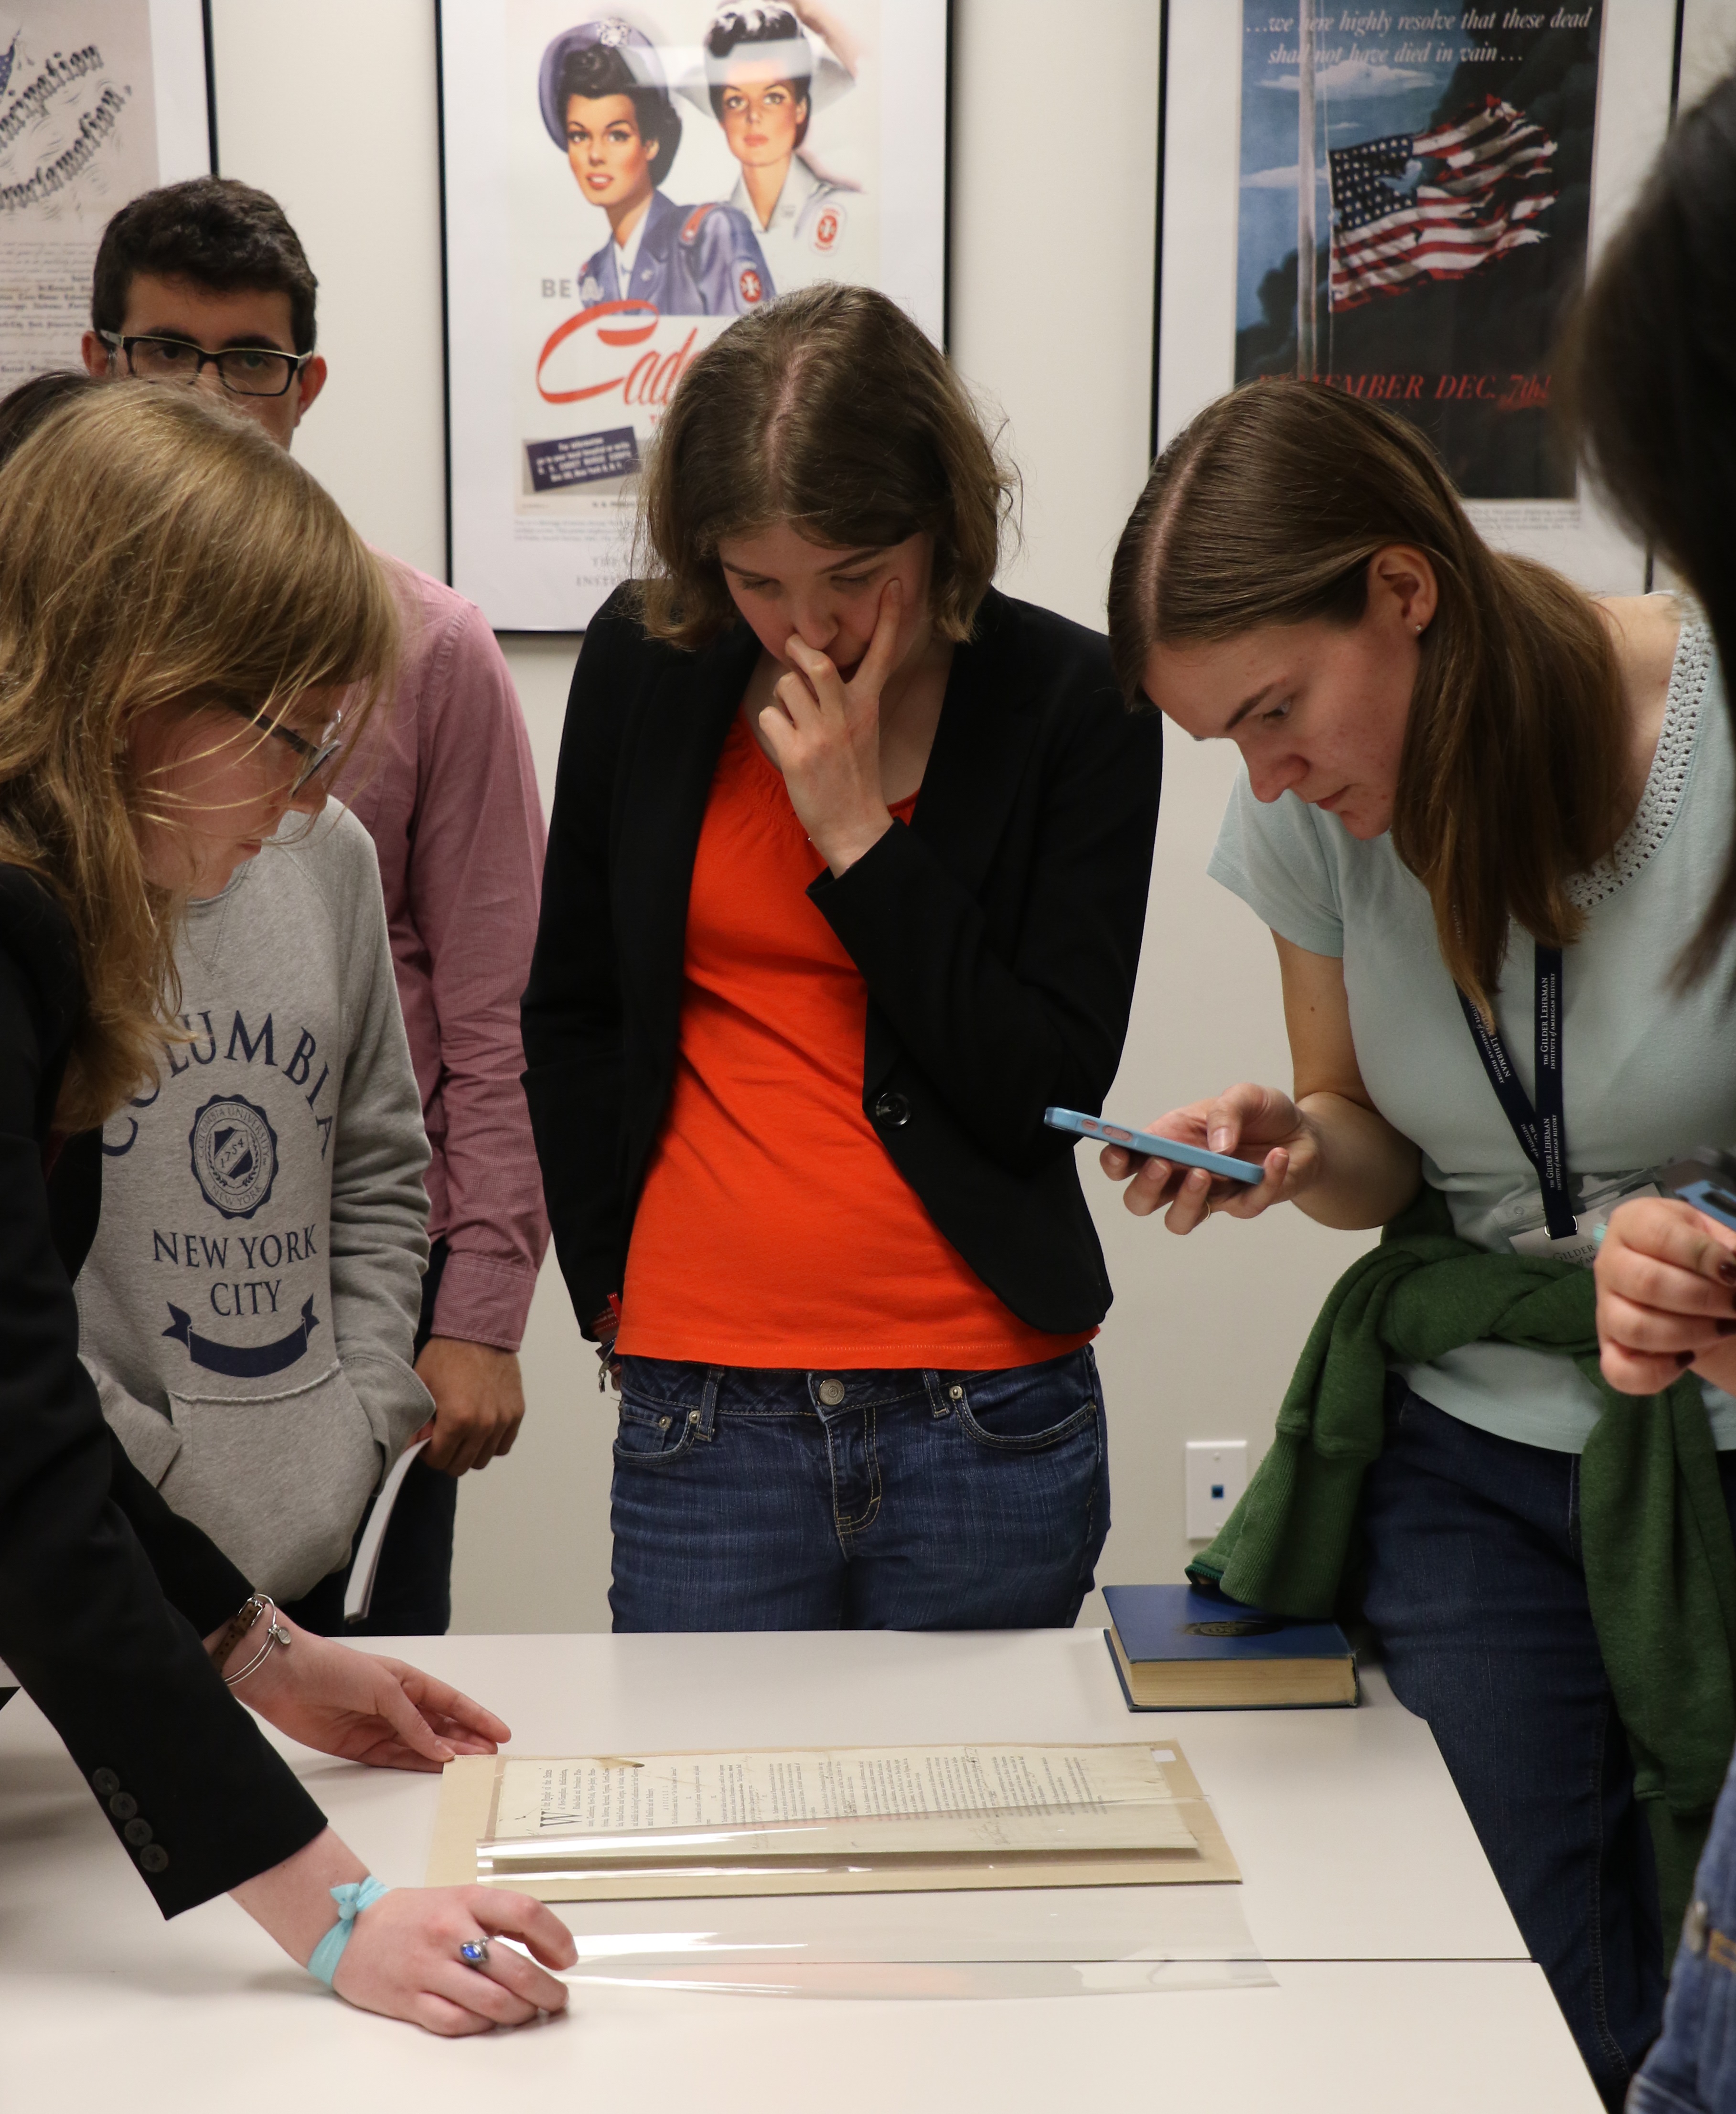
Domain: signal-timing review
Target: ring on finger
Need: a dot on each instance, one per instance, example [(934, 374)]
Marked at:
[(473, 1952)]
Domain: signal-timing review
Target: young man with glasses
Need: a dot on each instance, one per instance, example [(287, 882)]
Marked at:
[(205, 284)]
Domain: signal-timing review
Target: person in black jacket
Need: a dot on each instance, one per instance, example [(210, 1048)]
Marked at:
[(180, 609), (846, 882)]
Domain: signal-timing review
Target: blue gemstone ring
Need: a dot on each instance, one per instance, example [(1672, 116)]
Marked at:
[(475, 1952)]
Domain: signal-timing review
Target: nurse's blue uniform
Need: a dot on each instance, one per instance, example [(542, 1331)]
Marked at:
[(694, 260)]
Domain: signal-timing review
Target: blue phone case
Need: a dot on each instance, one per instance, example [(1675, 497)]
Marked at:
[(1706, 1179), (1149, 1142)]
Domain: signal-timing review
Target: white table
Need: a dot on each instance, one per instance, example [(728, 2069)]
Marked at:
[(1401, 1978)]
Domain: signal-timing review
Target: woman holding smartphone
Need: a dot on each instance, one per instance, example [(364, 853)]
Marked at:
[(847, 875), (190, 636), (1479, 810)]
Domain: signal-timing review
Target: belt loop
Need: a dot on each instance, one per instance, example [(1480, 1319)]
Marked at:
[(707, 1416), (938, 1404), (1573, 1503)]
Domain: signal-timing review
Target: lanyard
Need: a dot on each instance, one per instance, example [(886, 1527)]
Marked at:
[(1541, 1131)]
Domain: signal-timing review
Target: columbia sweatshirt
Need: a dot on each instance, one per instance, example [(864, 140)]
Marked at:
[(249, 1307)]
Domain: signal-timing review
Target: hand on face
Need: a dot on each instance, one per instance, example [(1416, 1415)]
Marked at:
[(1248, 1122), (824, 735)]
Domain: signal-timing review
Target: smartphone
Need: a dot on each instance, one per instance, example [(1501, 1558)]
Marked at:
[(1170, 1149), (1706, 1179)]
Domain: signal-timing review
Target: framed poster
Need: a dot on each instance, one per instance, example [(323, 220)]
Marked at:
[(1447, 168), (99, 100), (619, 184)]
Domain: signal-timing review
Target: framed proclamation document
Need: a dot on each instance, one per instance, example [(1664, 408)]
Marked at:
[(99, 100)]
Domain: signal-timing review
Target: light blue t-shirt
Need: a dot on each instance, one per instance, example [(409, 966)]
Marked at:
[(1648, 1073)]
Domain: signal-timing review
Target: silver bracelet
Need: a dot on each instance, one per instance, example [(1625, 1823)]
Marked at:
[(275, 1634)]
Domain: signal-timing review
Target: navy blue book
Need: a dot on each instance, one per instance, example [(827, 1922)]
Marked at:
[(1175, 1649)]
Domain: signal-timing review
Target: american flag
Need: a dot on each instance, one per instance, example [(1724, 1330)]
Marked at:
[(1483, 182)]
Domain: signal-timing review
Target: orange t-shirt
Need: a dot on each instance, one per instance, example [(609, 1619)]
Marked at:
[(773, 1229)]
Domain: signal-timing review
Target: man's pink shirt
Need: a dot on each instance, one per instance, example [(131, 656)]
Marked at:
[(447, 791)]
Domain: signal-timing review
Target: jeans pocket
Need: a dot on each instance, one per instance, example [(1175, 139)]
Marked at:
[(653, 1434), (1028, 1409), (1715, 2067)]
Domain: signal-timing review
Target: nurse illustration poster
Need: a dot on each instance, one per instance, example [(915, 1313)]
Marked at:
[(1445, 170), (621, 184)]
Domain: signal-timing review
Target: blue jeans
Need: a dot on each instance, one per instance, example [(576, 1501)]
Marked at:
[(1693, 2069), (1477, 1592), (750, 1497)]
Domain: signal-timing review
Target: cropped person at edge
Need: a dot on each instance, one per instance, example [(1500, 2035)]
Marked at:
[(210, 268), (1457, 762), (1652, 375), (167, 685), (847, 876)]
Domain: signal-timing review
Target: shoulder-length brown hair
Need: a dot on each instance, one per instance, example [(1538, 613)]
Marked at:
[(1267, 509), (1648, 376), (159, 551), (832, 411)]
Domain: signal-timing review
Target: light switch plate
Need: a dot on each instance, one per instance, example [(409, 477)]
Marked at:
[(1217, 1477)]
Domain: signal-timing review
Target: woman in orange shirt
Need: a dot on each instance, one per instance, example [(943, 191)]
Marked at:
[(846, 880)]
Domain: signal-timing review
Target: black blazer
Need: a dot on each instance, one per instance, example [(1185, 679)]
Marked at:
[(104, 1593), (998, 936)]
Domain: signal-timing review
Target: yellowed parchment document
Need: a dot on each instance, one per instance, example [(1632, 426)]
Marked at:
[(836, 1820)]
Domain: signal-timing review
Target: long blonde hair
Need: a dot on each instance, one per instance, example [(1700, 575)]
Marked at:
[(159, 552), (1267, 509)]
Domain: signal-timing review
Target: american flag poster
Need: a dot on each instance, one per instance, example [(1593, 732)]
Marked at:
[(1433, 165)]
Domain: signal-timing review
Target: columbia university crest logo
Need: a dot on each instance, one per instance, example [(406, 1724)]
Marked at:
[(234, 1156)]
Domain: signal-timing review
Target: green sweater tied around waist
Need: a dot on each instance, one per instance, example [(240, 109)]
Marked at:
[(1654, 1535)]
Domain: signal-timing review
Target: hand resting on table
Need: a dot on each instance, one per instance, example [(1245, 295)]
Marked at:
[(361, 1706)]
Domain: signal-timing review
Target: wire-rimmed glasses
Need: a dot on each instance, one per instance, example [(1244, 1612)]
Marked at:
[(315, 755)]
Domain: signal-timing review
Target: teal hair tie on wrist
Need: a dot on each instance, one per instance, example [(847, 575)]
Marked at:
[(351, 1900)]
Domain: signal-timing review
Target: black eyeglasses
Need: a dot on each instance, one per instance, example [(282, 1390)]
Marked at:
[(315, 755), (244, 370)]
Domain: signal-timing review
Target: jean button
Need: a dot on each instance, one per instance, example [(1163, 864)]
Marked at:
[(831, 1392)]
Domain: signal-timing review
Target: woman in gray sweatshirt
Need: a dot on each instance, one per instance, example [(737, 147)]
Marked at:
[(248, 1305)]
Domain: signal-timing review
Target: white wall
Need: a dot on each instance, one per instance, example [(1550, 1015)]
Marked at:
[(334, 111)]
